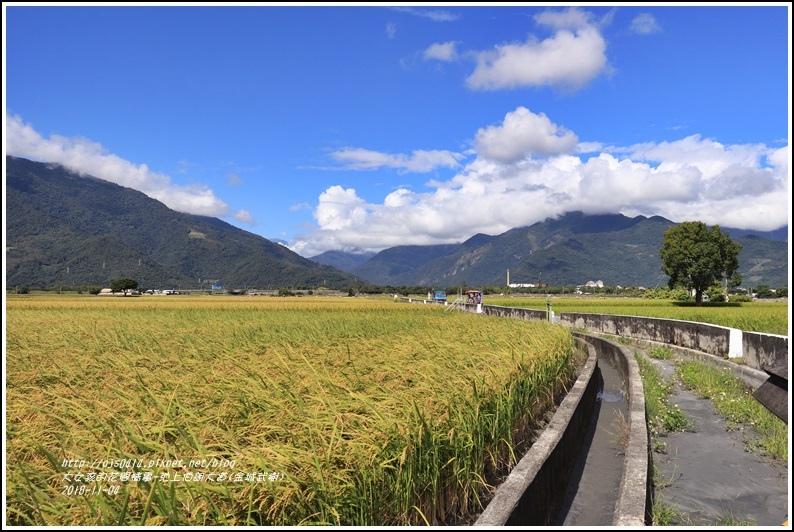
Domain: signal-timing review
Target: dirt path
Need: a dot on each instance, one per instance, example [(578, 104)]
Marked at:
[(708, 477)]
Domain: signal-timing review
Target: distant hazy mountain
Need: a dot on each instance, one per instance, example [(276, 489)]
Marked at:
[(62, 227), (779, 235), (394, 265), (344, 260), (572, 249)]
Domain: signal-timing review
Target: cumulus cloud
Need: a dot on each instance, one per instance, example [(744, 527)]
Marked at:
[(743, 185), (90, 158), (645, 23), (441, 51), (420, 161), (570, 58), (521, 134), (340, 208)]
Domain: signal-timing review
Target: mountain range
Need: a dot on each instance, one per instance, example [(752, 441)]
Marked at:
[(570, 250), (66, 228)]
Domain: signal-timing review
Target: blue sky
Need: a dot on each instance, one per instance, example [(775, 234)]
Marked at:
[(348, 127)]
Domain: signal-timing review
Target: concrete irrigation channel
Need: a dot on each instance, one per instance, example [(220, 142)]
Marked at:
[(592, 465)]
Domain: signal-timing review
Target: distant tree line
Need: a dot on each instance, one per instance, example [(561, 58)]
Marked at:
[(715, 292)]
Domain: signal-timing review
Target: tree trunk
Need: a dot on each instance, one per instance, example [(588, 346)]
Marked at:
[(698, 298)]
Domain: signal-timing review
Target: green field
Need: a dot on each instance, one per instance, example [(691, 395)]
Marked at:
[(768, 317), (266, 411)]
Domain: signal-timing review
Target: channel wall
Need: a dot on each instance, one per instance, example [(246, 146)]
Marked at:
[(532, 493)]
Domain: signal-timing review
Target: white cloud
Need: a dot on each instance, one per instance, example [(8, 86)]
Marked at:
[(420, 161), (521, 134), (233, 180), (589, 147), (744, 186), (244, 217), (645, 23), (708, 155), (391, 29), (90, 158), (436, 15), (570, 58), (572, 18), (441, 51), (340, 208), (401, 197)]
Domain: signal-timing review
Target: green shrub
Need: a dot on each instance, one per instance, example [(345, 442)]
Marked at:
[(716, 294)]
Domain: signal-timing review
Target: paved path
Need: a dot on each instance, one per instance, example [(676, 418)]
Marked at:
[(713, 479)]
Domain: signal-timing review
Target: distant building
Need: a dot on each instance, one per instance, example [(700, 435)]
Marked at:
[(592, 284), (521, 285)]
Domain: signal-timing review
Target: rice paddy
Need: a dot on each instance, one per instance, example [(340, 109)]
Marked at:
[(266, 411)]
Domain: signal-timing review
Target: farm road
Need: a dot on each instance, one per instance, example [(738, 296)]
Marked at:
[(713, 479)]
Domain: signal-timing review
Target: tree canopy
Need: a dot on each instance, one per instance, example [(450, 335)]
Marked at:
[(122, 285), (696, 257)]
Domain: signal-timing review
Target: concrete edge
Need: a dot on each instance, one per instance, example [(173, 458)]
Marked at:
[(750, 376), (632, 505), (516, 487)]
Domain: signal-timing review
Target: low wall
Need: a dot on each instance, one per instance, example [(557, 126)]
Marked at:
[(517, 313), (761, 350), (712, 339), (758, 350)]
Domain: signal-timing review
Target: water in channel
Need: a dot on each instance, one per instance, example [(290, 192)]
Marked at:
[(595, 479)]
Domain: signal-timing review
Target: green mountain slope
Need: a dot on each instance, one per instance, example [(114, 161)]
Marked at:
[(763, 261), (64, 228)]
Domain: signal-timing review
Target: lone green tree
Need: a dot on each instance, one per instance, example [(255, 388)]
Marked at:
[(696, 257), (122, 285)]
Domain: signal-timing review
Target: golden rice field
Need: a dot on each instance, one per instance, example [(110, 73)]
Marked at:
[(230, 410), (768, 317)]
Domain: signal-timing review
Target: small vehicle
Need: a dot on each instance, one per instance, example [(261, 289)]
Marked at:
[(440, 296), (473, 297)]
